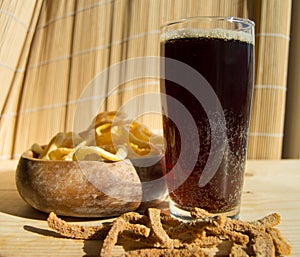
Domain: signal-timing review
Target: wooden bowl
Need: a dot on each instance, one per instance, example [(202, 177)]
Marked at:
[(151, 172), (79, 189)]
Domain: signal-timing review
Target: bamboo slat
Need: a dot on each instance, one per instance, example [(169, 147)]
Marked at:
[(292, 122), (44, 91), (90, 54), (15, 43), (177, 9), (272, 19), (64, 52)]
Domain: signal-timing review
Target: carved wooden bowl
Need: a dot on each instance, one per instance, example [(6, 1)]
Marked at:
[(79, 189), (87, 188)]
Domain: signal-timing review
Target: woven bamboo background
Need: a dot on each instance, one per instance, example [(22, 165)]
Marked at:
[(291, 141), (50, 50), (272, 18)]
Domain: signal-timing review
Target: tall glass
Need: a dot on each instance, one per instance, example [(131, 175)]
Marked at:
[(207, 85)]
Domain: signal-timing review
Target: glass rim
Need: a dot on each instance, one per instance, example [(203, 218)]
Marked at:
[(245, 21)]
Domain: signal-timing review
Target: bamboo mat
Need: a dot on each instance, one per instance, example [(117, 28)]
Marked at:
[(272, 18), (51, 50), (16, 36), (292, 119)]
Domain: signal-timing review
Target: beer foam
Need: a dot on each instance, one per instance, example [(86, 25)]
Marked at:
[(207, 33)]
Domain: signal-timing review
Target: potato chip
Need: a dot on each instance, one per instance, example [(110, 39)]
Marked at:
[(110, 137), (140, 143), (83, 152), (36, 149), (117, 135), (139, 151), (157, 140), (71, 140), (61, 153), (138, 130), (104, 139), (103, 128), (54, 143), (105, 117)]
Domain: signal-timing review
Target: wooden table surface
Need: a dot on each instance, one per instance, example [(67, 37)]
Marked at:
[(270, 186)]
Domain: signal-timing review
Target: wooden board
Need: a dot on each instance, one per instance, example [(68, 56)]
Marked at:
[(270, 186)]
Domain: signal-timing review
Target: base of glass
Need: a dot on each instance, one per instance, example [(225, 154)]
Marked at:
[(177, 212)]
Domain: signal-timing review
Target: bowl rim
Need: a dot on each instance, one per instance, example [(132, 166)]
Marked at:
[(28, 154)]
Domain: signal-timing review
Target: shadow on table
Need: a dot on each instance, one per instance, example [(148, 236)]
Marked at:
[(11, 203), (90, 247), (44, 232)]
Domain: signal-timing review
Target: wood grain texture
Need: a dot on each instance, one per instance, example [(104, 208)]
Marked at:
[(270, 186)]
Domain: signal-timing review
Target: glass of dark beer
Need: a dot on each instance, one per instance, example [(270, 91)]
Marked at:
[(207, 86)]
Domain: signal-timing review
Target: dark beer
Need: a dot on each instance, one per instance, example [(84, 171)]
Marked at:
[(226, 62)]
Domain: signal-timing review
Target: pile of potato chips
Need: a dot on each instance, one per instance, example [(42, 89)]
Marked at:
[(110, 137)]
